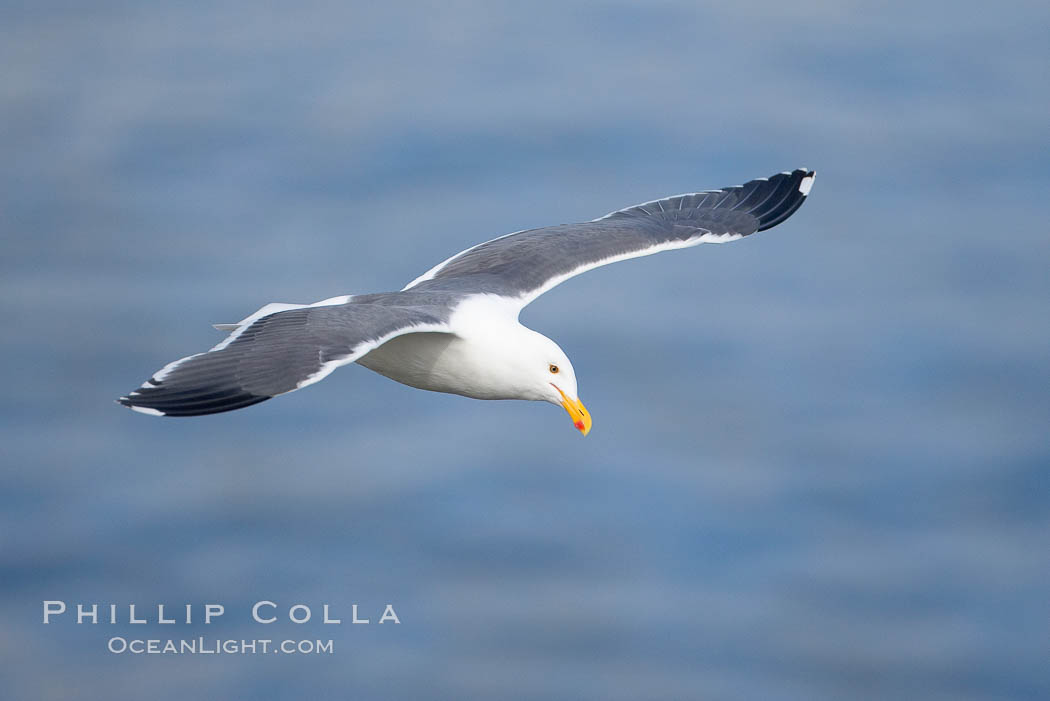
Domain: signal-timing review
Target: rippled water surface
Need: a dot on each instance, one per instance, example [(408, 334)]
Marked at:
[(820, 455)]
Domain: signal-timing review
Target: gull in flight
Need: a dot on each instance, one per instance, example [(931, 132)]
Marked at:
[(455, 328)]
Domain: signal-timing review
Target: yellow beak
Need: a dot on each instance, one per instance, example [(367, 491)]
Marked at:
[(581, 418)]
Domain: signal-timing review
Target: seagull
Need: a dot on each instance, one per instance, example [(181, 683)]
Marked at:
[(455, 328)]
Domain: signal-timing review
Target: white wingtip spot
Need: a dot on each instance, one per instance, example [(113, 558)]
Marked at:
[(806, 184), (146, 410)]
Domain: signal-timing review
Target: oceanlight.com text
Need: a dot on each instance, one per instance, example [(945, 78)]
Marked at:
[(217, 646)]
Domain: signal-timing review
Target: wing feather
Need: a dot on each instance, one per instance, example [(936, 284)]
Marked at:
[(276, 353), (525, 264)]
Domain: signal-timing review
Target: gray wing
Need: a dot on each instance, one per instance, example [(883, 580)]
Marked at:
[(525, 264), (273, 353)]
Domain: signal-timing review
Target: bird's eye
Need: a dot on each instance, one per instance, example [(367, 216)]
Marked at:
[(554, 369)]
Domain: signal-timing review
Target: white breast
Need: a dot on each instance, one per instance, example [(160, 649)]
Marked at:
[(440, 362), (481, 359), (414, 359)]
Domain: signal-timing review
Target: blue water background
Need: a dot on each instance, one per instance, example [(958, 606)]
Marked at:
[(819, 467)]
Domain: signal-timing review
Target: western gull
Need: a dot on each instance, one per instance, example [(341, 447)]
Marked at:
[(455, 328)]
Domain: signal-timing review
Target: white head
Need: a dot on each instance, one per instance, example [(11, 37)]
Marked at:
[(543, 372)]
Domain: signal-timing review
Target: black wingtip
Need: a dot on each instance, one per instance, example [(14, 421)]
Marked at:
[(157, 402), (781, 196), (131, 404)]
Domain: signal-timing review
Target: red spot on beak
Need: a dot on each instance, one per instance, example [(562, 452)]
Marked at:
[(579, 425)]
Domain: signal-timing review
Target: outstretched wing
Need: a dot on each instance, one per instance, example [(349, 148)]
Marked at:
[(525, 264), (273, 353)]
